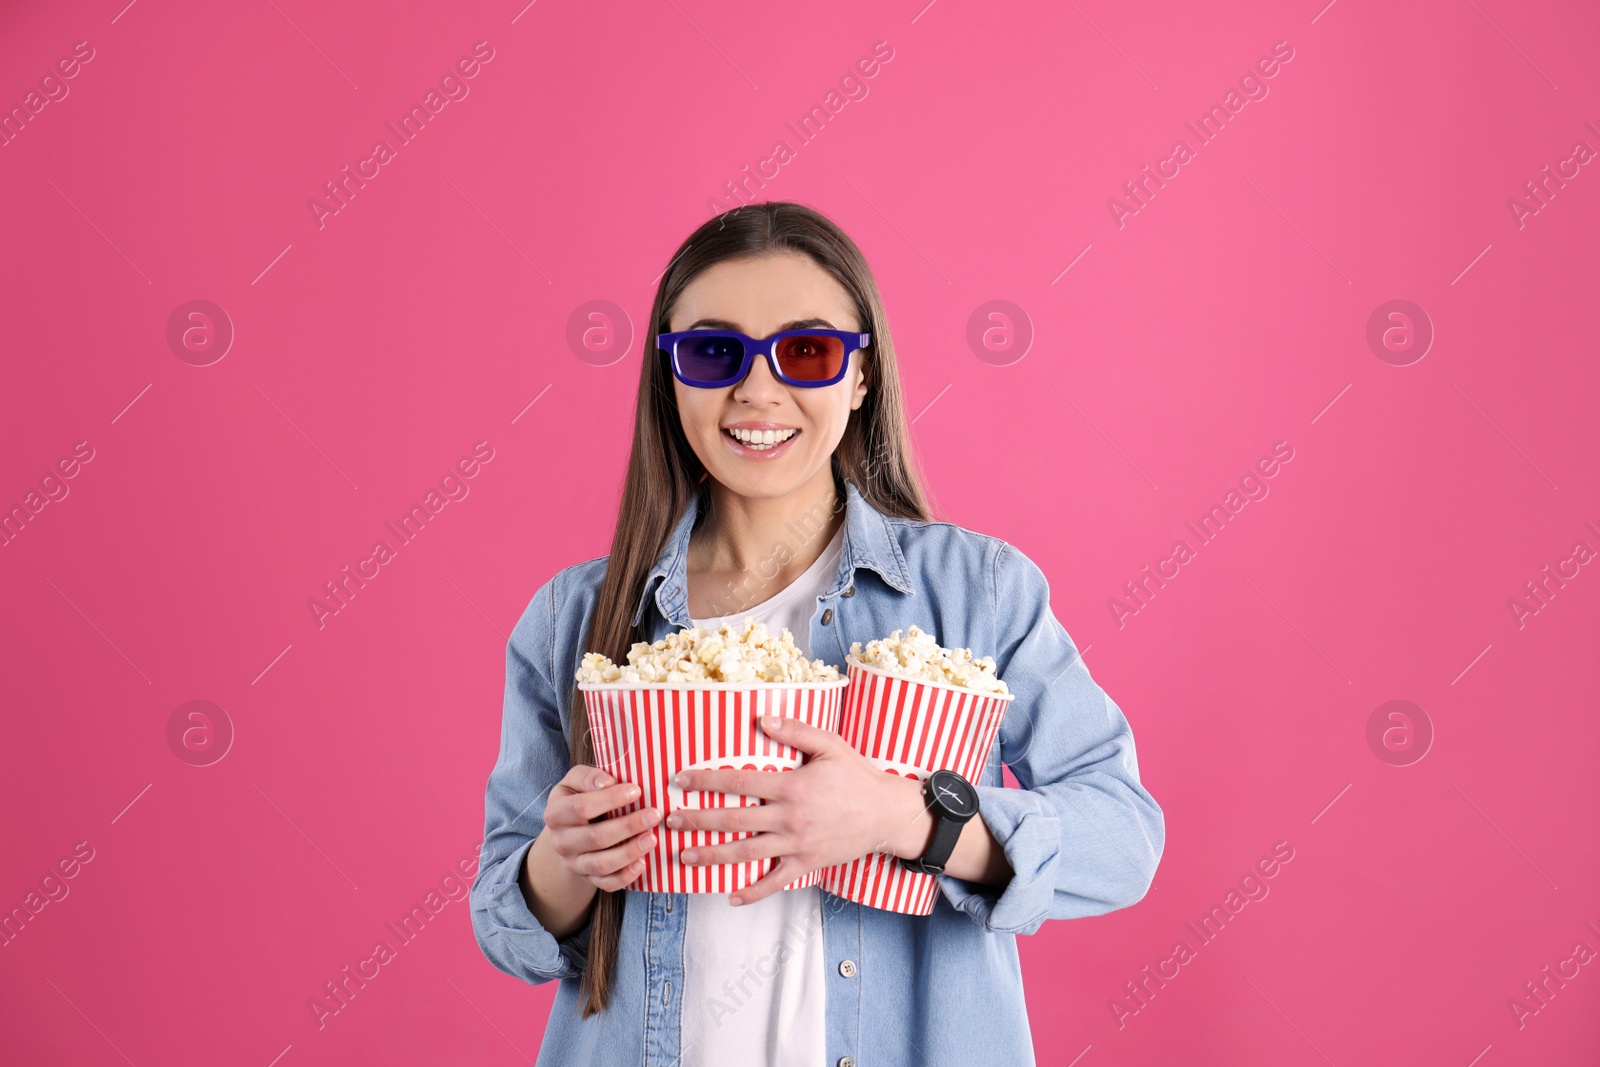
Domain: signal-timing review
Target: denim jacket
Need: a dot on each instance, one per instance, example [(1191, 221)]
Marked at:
[(1082, 835)]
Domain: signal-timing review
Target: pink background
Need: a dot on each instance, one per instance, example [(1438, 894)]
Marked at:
[(1227, 315)]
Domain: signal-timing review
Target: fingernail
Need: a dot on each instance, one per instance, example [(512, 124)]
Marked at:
[(775, 722), (631, 792), (687, 855), (601, 781), (680, 779), (675, 820), (736, 901)]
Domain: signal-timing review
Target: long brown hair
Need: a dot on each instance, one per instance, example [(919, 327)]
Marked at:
[(664, 474)]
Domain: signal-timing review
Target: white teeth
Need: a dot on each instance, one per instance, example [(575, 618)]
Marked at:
[(761, 440)]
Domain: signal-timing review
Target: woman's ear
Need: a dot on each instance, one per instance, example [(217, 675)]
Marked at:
[(862, 382)]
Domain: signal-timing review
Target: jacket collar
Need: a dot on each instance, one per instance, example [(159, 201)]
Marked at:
[(868, 542)]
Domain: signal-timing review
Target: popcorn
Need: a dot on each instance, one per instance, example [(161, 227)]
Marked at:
[(726, 654), (917, 655)]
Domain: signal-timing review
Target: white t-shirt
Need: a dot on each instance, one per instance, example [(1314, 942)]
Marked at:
[(755, 975)]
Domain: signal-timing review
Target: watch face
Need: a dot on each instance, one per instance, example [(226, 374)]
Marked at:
[(954, 793)]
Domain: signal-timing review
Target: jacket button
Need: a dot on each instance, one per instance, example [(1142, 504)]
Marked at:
[(848, 968), (847, 1061), (827, 616), (849, 592)]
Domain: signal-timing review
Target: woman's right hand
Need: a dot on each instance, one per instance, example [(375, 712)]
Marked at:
[(607, 853)]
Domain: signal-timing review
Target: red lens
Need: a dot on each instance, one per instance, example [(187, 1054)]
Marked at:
[(808, 358)]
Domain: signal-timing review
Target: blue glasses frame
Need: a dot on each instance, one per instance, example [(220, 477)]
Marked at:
[(766, 346)]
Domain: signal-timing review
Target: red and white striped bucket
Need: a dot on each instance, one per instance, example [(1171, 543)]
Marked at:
[(911, 728), (645, 734)]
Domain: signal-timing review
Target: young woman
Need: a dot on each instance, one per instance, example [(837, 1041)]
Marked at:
[(771, 476)]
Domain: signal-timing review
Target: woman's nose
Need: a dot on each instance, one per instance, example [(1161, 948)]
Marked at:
[(759, 386)]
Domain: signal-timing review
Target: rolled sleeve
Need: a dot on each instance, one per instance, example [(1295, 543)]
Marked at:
[(512, 938), (1027, 829), (1083, 835), (533, 758)]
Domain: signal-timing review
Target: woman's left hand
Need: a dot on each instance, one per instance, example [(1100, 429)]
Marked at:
[(831, 809)]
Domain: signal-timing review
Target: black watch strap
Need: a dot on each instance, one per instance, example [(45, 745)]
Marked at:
[(948, 824), (945, 835)]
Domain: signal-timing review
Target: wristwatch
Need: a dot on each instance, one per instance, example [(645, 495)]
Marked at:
[(953, 801)]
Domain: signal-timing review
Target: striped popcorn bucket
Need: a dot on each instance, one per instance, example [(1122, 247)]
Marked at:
[(645, 734), (911, 728)]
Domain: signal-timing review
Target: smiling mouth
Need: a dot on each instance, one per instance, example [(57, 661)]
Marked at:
[(760, 440)]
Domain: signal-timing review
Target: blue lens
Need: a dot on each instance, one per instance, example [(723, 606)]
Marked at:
[(710, 359)]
